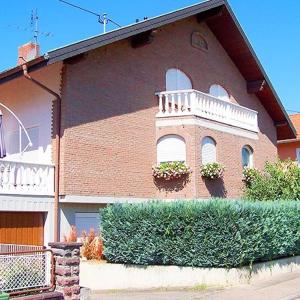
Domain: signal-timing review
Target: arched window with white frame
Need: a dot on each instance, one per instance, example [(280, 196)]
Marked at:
[(247, 157), (208, 150), (171, 148), (219, 92), (177, 80)]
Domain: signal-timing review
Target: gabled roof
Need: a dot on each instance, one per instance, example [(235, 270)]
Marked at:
[(220, 19)]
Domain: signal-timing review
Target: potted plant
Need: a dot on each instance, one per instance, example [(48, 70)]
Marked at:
[(170, 170), (249, 175), (212, 170)]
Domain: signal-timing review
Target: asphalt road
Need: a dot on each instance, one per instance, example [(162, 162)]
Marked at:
[(281, 287)]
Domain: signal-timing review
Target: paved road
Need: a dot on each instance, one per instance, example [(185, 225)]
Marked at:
[(282, 287)]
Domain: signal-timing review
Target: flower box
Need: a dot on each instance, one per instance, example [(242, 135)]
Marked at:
[(212, 171), (170, 170)]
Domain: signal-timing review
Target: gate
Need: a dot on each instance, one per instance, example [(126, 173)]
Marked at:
[(26, 271)]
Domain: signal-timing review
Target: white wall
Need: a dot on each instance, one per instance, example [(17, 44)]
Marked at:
[(34, 108)]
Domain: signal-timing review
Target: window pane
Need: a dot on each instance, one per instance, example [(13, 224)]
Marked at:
[(298, 155), (219, 92), (177, 80), (13, 140), (246, 157)]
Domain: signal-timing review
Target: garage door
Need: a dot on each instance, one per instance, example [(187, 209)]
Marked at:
[(24, 228)]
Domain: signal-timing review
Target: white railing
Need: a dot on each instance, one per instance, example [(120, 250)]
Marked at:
[(193, 102), (26, 178), (4, 248)]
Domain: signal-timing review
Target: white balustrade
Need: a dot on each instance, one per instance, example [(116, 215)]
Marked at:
[(26, 178), (193, 102)]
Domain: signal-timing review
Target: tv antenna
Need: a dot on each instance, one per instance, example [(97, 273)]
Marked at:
[(102, 19), (34, 24)]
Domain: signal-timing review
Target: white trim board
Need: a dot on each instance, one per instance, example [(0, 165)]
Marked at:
[(26, 203), (80, 199), (100, 199), (207, 124)]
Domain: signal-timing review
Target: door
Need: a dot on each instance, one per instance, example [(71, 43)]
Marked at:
[(23, 228)]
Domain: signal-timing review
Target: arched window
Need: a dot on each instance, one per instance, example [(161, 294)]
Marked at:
[(208, 150), (171, 148), (218, 91), (247, 157), (177, 80)]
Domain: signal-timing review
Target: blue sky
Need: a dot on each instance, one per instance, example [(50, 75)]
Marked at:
[(273, 28)]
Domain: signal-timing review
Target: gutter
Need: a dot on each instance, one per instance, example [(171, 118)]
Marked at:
[(57, 146)]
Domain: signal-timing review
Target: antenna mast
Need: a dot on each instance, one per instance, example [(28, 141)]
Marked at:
[(34, 25), (102, 19)]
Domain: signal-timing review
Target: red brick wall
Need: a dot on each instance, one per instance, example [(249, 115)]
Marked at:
[(109, 133)]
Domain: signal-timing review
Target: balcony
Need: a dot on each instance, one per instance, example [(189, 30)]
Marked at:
[(26, 178), (193, 102)]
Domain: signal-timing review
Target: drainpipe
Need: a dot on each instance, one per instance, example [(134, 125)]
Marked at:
[(57, 146)]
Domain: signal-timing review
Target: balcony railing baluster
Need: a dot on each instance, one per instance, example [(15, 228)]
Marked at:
[(187, 102), (26, 178)]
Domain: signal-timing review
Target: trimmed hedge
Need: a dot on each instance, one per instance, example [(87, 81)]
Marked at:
[(214, 233)]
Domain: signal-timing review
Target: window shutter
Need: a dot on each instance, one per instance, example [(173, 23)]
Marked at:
[(86, 221), (171, 148), (209, 152)]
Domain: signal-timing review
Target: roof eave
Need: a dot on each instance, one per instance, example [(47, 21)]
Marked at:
[(17, 71)]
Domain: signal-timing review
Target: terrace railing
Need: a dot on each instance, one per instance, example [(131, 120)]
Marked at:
[(5, 248), (193, 102), (26, 178)]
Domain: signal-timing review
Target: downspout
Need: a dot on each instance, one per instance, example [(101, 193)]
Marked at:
[(57, 147)]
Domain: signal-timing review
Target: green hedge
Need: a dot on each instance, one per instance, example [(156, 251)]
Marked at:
[(215, 233)]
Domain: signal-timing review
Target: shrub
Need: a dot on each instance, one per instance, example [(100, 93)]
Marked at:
[(170, 170), (278, 180), (212, 170), (215, 233), (92, 247), (72, 235)]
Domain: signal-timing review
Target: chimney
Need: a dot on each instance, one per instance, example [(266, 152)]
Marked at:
[(28, 52)]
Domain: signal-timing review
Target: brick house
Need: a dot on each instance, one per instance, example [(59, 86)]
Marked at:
[(183, 86), (290, 148)]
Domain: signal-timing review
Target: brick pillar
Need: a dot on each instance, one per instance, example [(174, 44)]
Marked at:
[(67, 262)]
